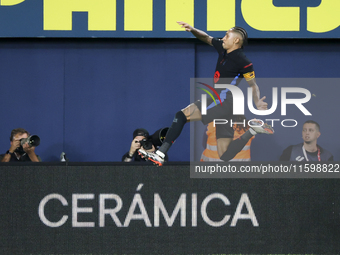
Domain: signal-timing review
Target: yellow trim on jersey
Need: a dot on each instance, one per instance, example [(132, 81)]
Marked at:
[(249, 76)]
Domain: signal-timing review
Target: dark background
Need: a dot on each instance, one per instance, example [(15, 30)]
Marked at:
[(86, 96), (295, 216)]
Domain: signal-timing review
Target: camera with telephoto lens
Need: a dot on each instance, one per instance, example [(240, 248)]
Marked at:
[(155, 139), (146, 144), (32, 140)]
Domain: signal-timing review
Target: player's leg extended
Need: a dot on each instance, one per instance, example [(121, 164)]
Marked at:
[(190, 113), (227, 148), (257, 127), (222, 145), (234, 146)]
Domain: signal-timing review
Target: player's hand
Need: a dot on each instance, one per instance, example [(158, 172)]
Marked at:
[(261, 105), (185, 25)]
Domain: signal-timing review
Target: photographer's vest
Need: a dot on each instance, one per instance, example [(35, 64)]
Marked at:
[(299, 154), (211, 154)]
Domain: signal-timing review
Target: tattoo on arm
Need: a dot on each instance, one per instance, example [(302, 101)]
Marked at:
[(203, 36)]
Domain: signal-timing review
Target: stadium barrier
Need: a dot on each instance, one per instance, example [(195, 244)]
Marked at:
[(116, 208)]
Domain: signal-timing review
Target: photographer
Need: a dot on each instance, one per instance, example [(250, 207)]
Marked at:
[(22, 149), (141, 138)]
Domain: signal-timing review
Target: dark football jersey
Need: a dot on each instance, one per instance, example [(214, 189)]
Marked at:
[(231, 66)]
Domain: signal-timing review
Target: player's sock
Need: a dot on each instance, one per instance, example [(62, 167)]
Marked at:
[(236, 146), (173, 132)]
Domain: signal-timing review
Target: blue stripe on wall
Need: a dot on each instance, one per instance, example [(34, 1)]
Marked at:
[(87, 96)]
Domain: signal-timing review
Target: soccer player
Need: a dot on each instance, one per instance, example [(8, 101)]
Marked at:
[(232, 65)]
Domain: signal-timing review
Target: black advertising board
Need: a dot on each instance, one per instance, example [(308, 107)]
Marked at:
[(113, 208)]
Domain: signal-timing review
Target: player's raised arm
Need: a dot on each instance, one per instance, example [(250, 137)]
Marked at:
[(199, 34)]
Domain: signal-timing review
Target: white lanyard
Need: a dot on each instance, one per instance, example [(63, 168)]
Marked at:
[(305, 154)]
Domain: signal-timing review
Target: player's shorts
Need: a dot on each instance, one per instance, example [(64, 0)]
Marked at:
[(224, 112)]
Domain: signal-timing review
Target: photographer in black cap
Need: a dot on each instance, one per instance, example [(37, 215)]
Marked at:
[(22, 147), (142, 139)]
